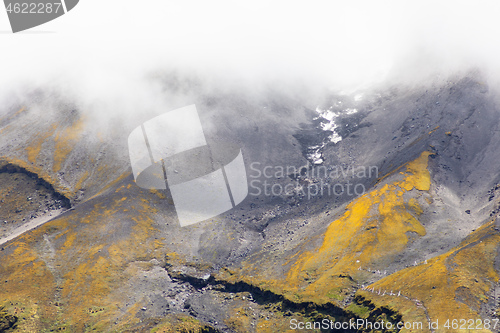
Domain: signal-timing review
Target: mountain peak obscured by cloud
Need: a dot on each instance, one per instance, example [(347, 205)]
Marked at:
[(102, 51)]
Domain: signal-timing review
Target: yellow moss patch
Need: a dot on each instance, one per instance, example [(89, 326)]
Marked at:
[(452, 285), (273, 325), (28, 285), (435, 129), (373, 230), (15, 114), (417, 175), (65, 140), (114, 182), (40, 173), (240, 319), (179, 323), (89, 263), (159, 194), (82, 180)]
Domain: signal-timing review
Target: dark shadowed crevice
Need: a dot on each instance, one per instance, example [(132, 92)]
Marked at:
[(316, 312), (26, 198), (12, 169)]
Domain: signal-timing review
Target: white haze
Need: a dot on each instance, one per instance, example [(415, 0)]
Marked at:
[(102, 53)]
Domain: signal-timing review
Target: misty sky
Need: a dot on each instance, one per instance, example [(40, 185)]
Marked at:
[(104, 49)]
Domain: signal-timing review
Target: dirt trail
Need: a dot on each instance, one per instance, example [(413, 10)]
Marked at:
[(32, 224)]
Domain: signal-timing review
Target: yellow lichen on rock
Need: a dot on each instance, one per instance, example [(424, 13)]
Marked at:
[(451, 286), (417, 176), (65, 140), (35, 145), (74, 266), (29, 285), (373, 229)]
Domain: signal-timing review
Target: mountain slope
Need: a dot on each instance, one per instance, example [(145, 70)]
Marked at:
[(114, 258)]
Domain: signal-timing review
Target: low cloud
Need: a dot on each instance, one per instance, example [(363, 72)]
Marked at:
[(105, 56)]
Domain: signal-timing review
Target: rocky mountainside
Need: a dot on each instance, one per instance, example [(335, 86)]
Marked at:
[(375, 205)]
